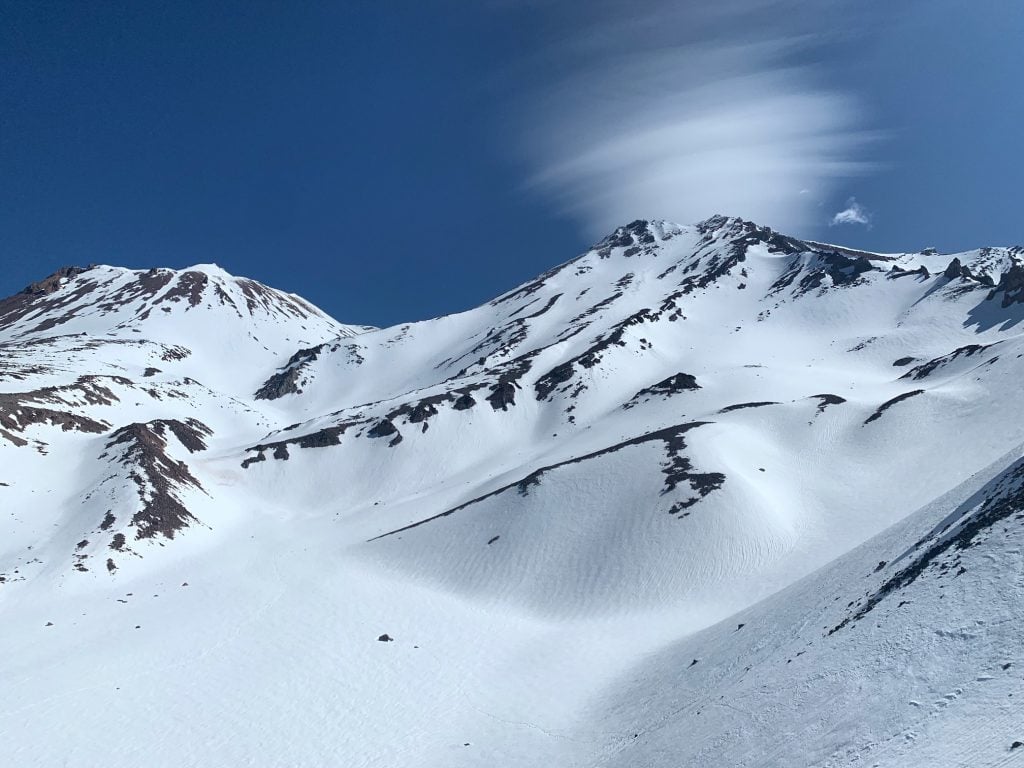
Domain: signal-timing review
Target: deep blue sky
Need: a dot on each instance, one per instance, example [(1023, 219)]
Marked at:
[(370, 155)]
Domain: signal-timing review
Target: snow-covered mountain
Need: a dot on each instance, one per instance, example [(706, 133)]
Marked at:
[(703, 495)]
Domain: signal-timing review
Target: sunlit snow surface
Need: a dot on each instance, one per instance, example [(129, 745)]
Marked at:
[(704, 495)]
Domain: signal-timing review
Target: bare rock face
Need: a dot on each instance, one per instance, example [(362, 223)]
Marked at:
[(557, 375), (1011, 285), (890, 403), (679, 382), (503, 396), (16, 417), (924, 370), (55, 406), (189, 287), (827, 399), (288, 380), (29, 298), (954, 270), (51, 283), (143, 450), (464, 402), (382, 428)]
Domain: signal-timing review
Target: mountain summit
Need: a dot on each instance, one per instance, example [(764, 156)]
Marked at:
[(702, 495)]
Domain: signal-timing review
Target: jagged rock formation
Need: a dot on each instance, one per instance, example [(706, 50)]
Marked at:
[(142, 450)]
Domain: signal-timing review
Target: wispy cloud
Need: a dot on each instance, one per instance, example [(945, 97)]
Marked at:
[(853, 213), (645, 118)]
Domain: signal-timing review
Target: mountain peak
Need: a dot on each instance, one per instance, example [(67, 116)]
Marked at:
[(213, 270), (106, 299), (635, 458), (53, 281)]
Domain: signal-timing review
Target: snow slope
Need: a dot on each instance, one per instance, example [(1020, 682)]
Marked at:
[(703, 495)]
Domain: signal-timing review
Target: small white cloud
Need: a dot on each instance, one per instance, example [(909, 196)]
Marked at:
[(854, 213)]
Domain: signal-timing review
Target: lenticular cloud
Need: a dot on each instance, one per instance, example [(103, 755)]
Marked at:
[(689, 131)]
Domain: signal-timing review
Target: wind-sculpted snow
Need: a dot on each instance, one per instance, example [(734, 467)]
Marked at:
[(904, 652), (676, 471), (701, 495), (941, 551)]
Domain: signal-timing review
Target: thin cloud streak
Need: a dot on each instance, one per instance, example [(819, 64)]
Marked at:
[(643, 129)]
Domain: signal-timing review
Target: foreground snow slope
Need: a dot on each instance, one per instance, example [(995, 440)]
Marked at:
[(561, 505)]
